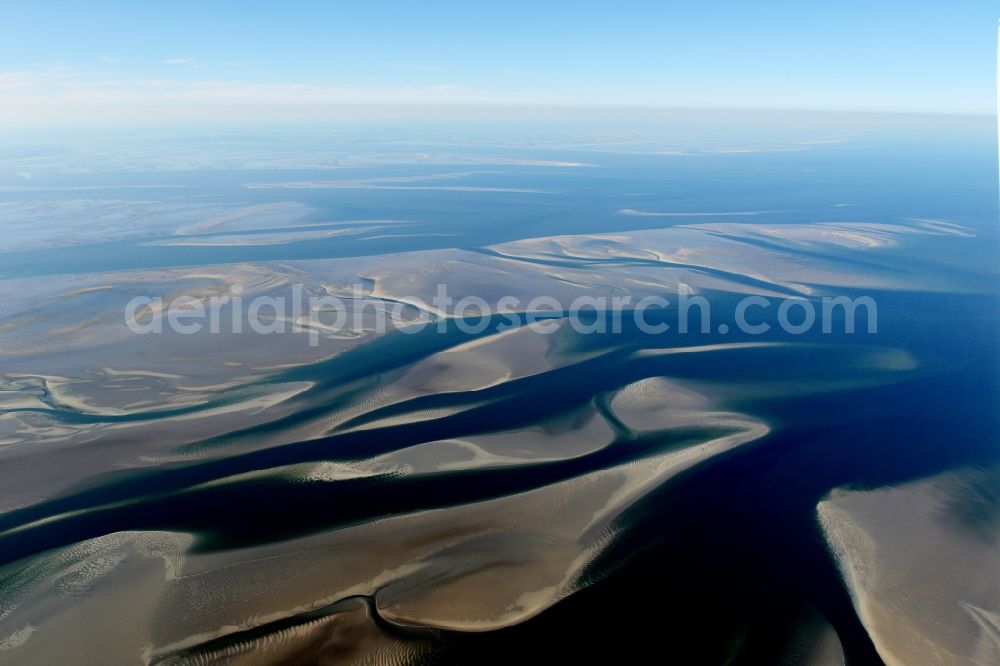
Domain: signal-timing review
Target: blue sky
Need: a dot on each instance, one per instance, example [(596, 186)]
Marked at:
[(85, 62)]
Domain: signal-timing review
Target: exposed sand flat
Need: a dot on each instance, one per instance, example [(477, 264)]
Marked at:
[(406, 183), (652, 213), (335, 185), (446, 158), (922, 561), (249, 217), (945, 227), (80, 592), (466, 368), (271, 238), (576, 435), (484, 362), (346, 632), (801, 258), (355, 182), (656, 403), (401, 183), (637, 264), (852, 234), (31, 223), (814, 642)]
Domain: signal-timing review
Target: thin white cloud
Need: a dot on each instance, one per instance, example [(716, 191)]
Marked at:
[(38, 97), (56, 70), (13, 81), (179, 61), (416, 68)]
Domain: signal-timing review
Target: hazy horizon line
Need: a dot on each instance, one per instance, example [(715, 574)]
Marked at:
[(192, 116)]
